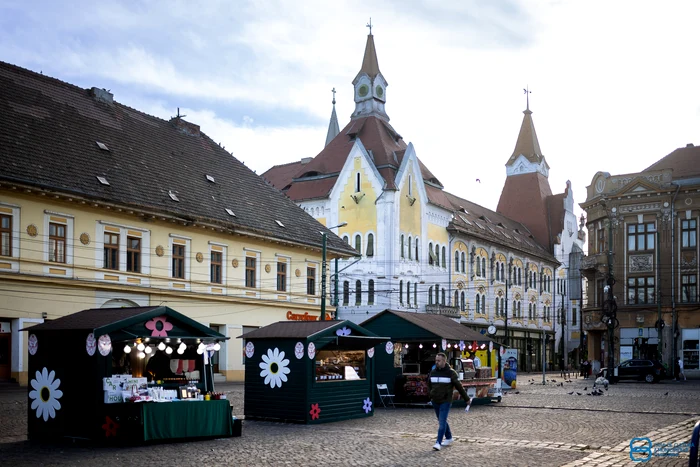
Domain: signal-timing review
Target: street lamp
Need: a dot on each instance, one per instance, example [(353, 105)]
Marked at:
[(323, 271)]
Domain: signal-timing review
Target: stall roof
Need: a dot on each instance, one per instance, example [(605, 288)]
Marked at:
[(290, 329), (105, 320), (442, 326)]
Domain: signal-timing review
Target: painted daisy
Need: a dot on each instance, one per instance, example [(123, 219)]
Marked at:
[(367, 407), (45, 394), (345, 331), (274, 368)]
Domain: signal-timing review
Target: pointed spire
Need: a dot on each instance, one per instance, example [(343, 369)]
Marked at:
[(527, 143), (333, 128), (370, 64)]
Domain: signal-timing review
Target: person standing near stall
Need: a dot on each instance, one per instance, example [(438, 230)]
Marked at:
[(442, 380)]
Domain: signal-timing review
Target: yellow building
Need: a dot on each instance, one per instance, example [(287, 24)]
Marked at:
[(104, 206)]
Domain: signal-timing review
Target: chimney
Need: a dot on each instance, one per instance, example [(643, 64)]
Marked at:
[(689, 145), (102, 95), (306, 160), (185, 126)]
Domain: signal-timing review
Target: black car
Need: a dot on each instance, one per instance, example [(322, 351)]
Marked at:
[(640, 369)]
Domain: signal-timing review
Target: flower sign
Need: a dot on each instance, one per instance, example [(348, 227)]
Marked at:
[(33, 344), (159, 326), (45, 394), (274, 368), (299, 350), (367, 407), (91, 344), (345, 331), (314, 412), (249, 350)]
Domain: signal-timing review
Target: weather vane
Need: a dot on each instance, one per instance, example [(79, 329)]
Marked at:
[(369, 25), (527, 95), (333, 91)]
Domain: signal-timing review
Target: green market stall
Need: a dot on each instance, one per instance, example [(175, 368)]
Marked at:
[(309, 371), (404, 363), (124, 375)]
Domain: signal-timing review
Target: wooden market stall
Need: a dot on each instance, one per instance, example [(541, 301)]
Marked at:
[(105, 375), (405, 362), (309, 371)]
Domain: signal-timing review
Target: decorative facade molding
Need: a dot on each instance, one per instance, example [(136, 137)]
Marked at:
[(641, 263)]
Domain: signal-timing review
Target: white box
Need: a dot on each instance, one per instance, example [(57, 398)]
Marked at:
[(113, 397)]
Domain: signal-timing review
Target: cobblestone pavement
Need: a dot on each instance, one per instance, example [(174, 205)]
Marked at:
[(538, 425)]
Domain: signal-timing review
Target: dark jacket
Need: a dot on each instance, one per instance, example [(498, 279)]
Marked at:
[(441, 383)]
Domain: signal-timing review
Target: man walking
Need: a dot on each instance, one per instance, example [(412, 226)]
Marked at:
[(443, 379)]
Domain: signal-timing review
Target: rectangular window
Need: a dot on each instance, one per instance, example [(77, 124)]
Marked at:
[(689, 288), (640, 237), (346, 293), (178, 261), (281, 276), (574, 317), (640, 290), (133, 254), (5, 235), (689, 233), (215, 267), (111, 251), (601, 241), (310, 281), (600, 294), (250, 271), (57, 243)]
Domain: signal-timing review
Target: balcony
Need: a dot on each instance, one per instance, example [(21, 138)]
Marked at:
[(595, 262), (451, 311)]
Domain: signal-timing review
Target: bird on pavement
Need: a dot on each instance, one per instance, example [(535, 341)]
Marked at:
[(586, 388), (517, 392), (571, 392), (666, 394), (578, 393)]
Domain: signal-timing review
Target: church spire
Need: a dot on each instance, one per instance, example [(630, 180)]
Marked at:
[(527, 155), (370, 85), (333, 128)]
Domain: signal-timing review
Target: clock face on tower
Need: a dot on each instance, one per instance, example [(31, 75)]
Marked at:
[(363, 91), (380, 91)]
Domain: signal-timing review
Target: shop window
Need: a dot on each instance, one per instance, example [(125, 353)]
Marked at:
[(688, 233), (689, 288), (310, 281), (640, 237), (57, 243), (346, 293), (5, 235), (640, 290), (370, 293), (111, 251), (358, 293), (250, 271), (690, 354), (281, 276), (133, 254), (215, 267), (370, 245), (339, 365), (178, 261)]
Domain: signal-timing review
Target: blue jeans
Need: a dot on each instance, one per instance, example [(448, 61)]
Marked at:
[(441, 412)]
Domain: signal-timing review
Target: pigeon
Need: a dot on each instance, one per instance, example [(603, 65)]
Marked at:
[(517, 392), (586, 388), (578, 393), (666, 394), (554, 380), (571, 392)]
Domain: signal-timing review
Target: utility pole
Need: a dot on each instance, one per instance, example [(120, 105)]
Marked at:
[(610, 309), (659, 322)]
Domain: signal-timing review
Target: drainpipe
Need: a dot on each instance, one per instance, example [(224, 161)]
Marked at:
[(673, 280)]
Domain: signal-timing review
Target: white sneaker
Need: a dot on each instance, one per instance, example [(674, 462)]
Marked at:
[(437, 446), (447, 442)]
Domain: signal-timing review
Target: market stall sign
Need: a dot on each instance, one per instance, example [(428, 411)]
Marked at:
[(305, 317)]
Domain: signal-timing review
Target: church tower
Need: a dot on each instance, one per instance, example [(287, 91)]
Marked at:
[(333, 128), (370, 85)]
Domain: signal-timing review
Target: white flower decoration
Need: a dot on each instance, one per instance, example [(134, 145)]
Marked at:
[(345, 331), (367, 407), (274, 368), (45, 394)]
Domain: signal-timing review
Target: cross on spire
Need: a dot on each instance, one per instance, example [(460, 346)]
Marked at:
[(369, 25), (527, 96), (333, 91)]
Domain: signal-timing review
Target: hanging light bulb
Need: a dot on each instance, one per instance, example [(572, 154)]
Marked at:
[(420, 346), (201, 347), (168, 350), (161, 346), (141, 355), (434, 345), (127, 348), (200, 350), (149, 349), (406, 346), (217, 347), (140, 347), (147, 339), (180, 350)]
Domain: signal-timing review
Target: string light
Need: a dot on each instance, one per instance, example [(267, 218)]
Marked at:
[(406, 346), (149, 350), (420, 346), (161, 346), (434, 345), (141, 347), (168, 350), (141, 355), (127, 349), (217, 347)]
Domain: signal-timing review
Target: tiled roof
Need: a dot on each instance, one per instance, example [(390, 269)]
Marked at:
[(290, 329), (524, 199), (527, 144), (92, 319), (49, 132), (370, 64), (442, 326), (507, 231), (280, 176), (685, 162)]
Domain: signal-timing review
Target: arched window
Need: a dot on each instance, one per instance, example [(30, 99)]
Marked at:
[(456, 302), (346, 239), (463, 304), (503, 274), (456, 261), (534, 310), (430, 295), (357, 182), (443, 296), (478, 303), (430, 254), (520, 276), (370, 292), (370, 245), (444, 258), (478, 268), (402, 254), (346, 293), (520, 315), (498, 272), (483, 267), (415, 294), (529, 311), (464, 262), (358, 293), (408, 293), (358, 243), (515, 309), (503, 307), (437, 294), (410, 253), (483, 305), (417, 250), (401, 292), (437, 255)]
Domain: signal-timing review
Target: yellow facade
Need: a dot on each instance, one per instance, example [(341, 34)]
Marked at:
[(33, 288), (410, 206), (360, 215)]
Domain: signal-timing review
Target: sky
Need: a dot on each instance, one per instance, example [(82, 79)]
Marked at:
[(614, 84)]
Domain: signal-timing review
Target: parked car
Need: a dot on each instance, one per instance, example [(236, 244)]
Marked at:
[(640, 369)]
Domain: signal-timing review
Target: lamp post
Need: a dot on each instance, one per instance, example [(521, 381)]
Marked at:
[(610, 313), (323, 272)]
